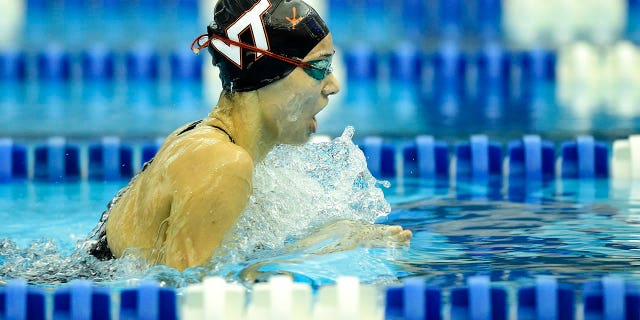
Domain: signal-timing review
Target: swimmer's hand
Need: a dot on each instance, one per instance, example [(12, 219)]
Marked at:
[(347, 234)]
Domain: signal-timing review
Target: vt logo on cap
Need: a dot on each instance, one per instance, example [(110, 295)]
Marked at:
[(257, 42), (251, 19)]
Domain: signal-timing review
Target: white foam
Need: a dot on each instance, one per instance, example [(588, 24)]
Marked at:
[(297, 188)]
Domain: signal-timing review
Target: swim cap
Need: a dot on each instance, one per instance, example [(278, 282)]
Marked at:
[(286, 28)]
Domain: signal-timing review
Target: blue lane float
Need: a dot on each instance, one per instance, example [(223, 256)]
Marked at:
[(426, 157), (110, 160), (98, 64), (537, 70), (479, 301), (489, 19), (478, 159), (611, 298), (185, 66), (531, 158), (493, 80), (13, 66), (584, 158), (449, 74), (450, 18), (82, 300), (6, 160), (57, 161), (20, 301), (546, 300), (54, 64), (150, 149), (414, 17), (148, 302), (405, 64), (142, 64), (380, 157), (13, 160), (413, 301)]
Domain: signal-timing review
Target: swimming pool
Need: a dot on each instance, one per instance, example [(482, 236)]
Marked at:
[(573, 229), (506, 227), (521, 203)]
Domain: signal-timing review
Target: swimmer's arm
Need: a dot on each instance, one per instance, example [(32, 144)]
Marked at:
[(348, 234), (209, 196)]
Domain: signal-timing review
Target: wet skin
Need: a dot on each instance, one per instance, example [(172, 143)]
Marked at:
[(178, 209)]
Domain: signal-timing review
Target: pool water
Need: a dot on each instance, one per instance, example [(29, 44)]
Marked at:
[(575, 230)]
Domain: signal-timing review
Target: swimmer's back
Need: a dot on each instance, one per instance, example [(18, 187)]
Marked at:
[(179, 181)]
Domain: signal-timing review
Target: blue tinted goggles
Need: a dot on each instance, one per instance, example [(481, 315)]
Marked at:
[(318, 69)]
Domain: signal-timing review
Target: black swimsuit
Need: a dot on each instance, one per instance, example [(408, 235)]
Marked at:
[(97, 242)]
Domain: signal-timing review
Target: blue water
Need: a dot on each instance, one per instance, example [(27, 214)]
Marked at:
[(575, 230)]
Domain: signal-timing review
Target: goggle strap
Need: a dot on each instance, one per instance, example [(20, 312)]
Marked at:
[(197, 45)]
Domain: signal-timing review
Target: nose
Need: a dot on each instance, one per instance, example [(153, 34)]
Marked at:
[(331, 85)]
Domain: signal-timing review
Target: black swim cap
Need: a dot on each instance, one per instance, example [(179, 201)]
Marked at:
[(289, 28)]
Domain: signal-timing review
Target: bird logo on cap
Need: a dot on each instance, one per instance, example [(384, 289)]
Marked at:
[(294, 20)]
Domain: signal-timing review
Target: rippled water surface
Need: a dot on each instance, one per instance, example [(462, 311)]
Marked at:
[(576, 230)]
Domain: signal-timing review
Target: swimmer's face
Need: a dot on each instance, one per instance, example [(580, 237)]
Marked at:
[(293, 102)]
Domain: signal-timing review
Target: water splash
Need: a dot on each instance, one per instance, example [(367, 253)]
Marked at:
[(297, 188), (43, 263), (298, 191)]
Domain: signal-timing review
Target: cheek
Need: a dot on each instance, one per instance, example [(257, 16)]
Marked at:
[(299, 105)]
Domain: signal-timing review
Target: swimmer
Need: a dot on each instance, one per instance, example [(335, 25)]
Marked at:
[(274, 58)]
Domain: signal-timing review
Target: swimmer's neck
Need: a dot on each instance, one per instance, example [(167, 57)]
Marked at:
[(240, 115)]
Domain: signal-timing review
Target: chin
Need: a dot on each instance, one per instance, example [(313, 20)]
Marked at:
[(299, 140)]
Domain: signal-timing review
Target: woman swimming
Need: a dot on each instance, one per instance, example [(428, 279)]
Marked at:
[(274, 58)]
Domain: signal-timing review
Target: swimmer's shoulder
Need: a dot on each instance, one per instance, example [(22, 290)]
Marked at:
[(200, 129), (206, 149)]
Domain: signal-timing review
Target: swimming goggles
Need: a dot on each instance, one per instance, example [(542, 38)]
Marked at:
[(320, 69), (317, 69)]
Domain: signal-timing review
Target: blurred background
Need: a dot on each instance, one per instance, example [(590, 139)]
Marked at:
[(84, 69)]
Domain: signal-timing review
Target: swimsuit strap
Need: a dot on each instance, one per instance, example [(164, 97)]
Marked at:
[(227, 133), (189, 127), (192, 125)]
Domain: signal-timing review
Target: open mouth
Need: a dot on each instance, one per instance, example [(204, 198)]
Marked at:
[(315, 124)]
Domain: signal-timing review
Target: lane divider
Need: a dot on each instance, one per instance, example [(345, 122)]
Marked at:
[(148, 301), (425, 157), (110, 160), (477, 159), (21, 301), (610, 297), (547, 300), (480, 158), (625, 163), (531, 158)]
